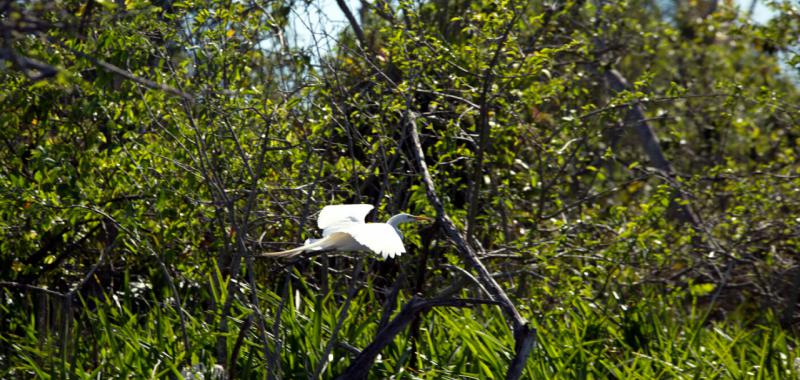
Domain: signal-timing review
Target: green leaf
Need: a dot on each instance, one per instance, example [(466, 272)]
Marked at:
[(699, 290)]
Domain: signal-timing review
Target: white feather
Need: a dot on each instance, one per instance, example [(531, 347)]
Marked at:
[(380, 238), (336, 214), (333, 241)]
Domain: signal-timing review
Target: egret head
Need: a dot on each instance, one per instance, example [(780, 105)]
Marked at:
[(407, 218)]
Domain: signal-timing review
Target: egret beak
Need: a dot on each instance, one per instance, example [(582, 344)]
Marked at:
[(422, 218)]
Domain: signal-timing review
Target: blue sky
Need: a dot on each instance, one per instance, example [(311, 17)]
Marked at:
[(761, 13)]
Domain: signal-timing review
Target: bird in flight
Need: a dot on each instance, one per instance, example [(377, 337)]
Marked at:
[(344, 229)]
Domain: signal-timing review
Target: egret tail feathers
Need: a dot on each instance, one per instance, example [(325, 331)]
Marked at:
[(309, 242), (287, 253), (311, 245)]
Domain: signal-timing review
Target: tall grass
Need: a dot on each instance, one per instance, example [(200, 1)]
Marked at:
[(657, 336)]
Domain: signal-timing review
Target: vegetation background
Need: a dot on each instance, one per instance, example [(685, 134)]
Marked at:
[(616, 187)]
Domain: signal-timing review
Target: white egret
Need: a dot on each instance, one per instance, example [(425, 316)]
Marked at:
[(343, 229)]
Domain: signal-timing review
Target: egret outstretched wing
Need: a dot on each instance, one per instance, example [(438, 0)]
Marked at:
[(337, 214), (380, 238)]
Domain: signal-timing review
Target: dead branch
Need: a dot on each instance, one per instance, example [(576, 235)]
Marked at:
[(524, 335), (363, 362)]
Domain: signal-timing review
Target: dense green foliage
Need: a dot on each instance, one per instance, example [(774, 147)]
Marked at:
[(150, 148)]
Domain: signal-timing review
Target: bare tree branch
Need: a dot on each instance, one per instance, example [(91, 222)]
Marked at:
[(363, 362), (362, 40), (127, 74), (524, 335), (34, 69), (484, 140), (636, 118)]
